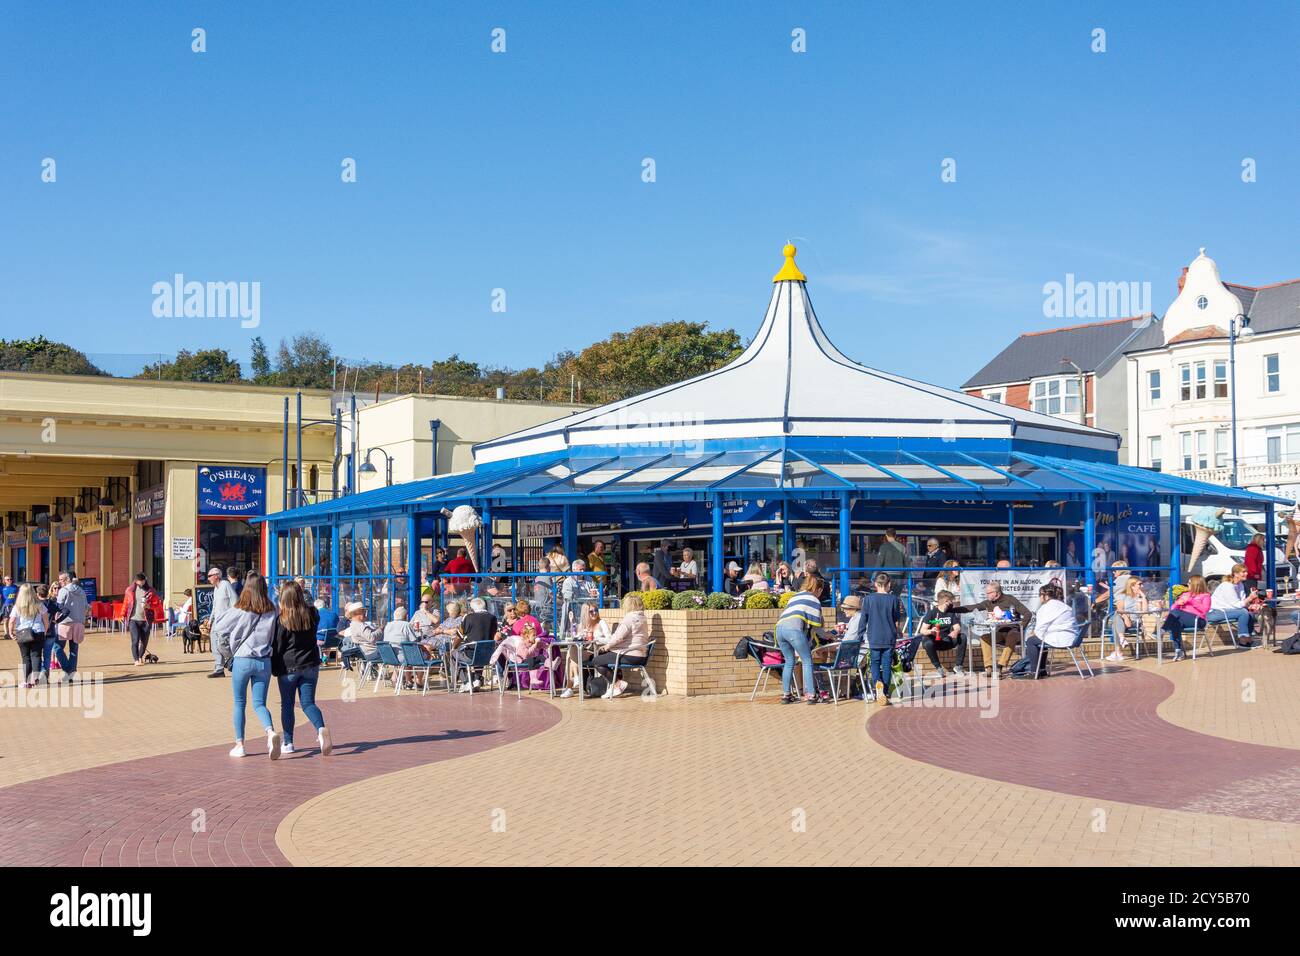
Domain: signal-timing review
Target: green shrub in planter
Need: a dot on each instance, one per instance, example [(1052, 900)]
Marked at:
[(659, 600), (759, 601), (718, 601), (688, 600), (785, 597)]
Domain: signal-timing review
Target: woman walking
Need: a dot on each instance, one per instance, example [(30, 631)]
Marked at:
[(28, 623), (798, 625), (295, 662), (245, 634)]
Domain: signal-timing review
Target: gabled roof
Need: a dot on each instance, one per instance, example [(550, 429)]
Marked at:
[(791, 382), (1093, 347), (1271, 308)]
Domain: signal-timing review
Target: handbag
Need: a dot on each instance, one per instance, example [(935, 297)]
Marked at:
[(773, 658)]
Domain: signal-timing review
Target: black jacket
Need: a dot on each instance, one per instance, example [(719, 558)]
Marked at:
[(293, 651)]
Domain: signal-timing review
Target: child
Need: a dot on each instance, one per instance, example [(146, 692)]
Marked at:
[(941, 631), (881, 612)]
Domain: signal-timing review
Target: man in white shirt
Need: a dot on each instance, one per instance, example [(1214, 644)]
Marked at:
[(398, 630), (1228, 603), (223, 599)]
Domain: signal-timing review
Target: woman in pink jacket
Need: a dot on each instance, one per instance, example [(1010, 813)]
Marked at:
[(1190, 608)]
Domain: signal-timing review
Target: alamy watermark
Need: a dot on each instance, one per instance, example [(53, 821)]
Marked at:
[(208, 300), (86, 694), (1084, 299)]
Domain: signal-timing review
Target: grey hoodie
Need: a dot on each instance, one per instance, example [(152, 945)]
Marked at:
[(250, 634)]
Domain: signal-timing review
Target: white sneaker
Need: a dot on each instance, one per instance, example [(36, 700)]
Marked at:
[(958, 670), (609, 692), (273, 744), (1115, 656), (566, 693), (619, 688), (464, 688), (237, 750), (323, 738), (477, 683), (287, 748)]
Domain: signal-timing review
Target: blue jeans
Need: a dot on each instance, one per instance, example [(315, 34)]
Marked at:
[(1238, 614), (793, 640), (882, 662), (55, 648), (257, 671), (302, 683)]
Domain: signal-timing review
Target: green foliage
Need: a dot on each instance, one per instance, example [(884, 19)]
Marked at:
[(719, 601), (759, 601), (305, 361), (688, 600), (785, 597), (659, 600), (42, 355), (260, 362), (207, 365)]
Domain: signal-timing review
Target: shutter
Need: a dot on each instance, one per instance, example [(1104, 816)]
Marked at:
[(121, 545), (91, 545)]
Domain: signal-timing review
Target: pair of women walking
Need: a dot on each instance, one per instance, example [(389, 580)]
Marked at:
[(261, 641)]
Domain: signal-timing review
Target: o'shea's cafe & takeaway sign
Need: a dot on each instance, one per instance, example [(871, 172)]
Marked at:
[(232, 491)]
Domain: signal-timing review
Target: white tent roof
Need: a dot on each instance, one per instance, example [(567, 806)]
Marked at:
[(791, 381)]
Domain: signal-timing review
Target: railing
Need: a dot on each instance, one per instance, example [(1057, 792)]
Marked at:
[(1248, 473)]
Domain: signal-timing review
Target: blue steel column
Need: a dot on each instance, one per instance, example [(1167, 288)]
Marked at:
[(1176, 544), (412, 563), (1011, 532), (715, 555), (272, 557), (486, 548), (570, 531), (787, 546), (335, 560), (1270, 544), (846, 542), (1089, 536)]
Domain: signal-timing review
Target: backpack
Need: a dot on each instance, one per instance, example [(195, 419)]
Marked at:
[(596, 686), (742, 649)]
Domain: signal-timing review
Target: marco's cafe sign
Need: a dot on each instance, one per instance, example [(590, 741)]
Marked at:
[(232, 491)]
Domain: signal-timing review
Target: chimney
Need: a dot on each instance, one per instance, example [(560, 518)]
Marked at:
[(1182, 279)]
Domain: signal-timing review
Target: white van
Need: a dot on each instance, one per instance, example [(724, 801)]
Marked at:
[(1227, 548)]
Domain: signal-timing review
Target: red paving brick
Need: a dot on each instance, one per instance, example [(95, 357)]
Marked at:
[(1099, 738), (142, 812)]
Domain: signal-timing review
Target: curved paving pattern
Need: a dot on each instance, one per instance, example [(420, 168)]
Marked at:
[(1100, 738), (143, 812)]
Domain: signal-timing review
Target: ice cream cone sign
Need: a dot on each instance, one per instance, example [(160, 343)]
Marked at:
[(466, 522)]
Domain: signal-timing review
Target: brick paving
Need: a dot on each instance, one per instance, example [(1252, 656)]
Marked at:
[(1193, 765)]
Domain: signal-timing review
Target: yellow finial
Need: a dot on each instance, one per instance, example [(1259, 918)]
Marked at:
[(789, 272)]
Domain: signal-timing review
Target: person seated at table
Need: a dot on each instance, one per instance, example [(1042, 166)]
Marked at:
[(940, 630), (445, 635), (359, 636), (592, 631), (782, 578), (1007, 617), (506, 627), (479, 624), (1188, 611), (757, 582), (1229, 603), (631, 638), (689, 570), (645, 581), (524, 618), (1054, 626), (399, 630), (527, 650), (731, 580), (1130, 605), (426, 616), (948, 578), (809, 571)]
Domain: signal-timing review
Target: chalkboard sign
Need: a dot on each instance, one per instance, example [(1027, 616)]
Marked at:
[(91, 587), (203, 595)]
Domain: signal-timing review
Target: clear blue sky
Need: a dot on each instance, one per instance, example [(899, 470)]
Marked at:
[(523, 170)]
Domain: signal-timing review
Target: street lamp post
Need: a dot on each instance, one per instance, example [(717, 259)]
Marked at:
[(1239, 325), (368, 469)]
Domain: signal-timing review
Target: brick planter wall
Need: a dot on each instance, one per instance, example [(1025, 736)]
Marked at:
[(693, 656)]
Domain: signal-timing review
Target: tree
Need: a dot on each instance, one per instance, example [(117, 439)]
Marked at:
[(305, 361), (261, 362), (42, 355), (205, 365), (648, 357)]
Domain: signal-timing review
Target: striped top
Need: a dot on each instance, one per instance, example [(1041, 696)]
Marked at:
[(805, 608)]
